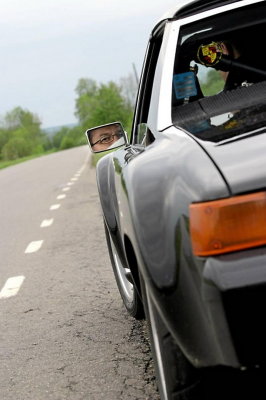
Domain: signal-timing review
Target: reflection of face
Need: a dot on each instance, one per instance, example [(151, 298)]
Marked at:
[(102, 138)]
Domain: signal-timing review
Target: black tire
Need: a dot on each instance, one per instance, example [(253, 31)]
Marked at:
[(124, 280), (177, 379)]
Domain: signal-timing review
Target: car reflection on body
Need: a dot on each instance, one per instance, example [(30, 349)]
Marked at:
[(184, 200)]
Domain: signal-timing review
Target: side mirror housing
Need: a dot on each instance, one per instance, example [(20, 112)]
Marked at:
[(106, 137)]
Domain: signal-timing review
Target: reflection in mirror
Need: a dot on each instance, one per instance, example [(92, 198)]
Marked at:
[(106, 137)]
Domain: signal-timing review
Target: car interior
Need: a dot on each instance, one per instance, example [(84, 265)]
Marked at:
[(219, 68)]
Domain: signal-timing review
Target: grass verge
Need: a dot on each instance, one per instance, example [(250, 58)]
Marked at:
[(5, 164)]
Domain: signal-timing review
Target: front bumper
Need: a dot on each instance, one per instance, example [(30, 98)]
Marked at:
[(239, 280), (216, 310)]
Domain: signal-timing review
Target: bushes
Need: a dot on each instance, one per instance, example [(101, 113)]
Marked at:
[(15, 148), (69, 137), (20, 135)]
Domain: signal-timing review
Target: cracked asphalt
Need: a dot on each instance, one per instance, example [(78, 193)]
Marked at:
[(65, 334)]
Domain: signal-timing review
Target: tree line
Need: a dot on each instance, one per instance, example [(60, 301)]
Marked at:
[(21, 134), (96, 104)]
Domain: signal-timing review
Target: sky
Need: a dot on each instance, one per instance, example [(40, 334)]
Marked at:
[(46, 46)]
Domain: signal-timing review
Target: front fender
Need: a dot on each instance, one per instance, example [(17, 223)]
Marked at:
[(162, 182), (105, 182)]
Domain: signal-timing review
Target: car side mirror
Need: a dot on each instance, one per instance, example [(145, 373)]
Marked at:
[(106, 137)]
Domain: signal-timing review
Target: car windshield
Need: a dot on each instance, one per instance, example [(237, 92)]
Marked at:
[(219, 79)]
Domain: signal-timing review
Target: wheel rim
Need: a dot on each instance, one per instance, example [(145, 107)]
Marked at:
[(157, 346), (126, 286)]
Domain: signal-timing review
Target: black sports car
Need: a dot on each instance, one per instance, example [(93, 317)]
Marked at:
[(184, 199)]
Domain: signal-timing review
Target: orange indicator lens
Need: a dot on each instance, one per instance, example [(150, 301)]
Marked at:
[(227, 225)]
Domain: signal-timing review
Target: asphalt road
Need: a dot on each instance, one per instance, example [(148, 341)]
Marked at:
[(64, 331)]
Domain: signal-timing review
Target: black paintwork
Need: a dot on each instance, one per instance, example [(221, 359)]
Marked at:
[(198, 6)]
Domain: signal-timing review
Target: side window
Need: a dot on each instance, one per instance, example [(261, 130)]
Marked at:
[(216, 54), (216, 74), (144, 94)]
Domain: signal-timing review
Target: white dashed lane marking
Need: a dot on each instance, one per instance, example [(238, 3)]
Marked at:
[(13, 284), (11, 287), (34, 246), (83, 167), (46, 222), (61, 196), (55, 206)]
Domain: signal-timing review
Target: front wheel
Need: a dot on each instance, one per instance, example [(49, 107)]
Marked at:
[(124, 280), (177, 379)]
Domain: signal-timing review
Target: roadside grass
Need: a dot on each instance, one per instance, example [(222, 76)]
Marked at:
[(4, 164), (9, 163)]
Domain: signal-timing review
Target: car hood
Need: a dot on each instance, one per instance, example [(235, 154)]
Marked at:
[(241, 161), (231, 127)]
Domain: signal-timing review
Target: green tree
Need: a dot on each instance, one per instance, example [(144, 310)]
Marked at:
[(73, 137), (102, 104), (86, 86), (96, 104), (21, 134), (213, 84), (66, 143), (69, 137), (58, 137), (15, 148), (4, 136), (129, 88), (18, 117), (86, 90)]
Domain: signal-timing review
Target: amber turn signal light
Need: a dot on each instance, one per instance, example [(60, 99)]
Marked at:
[(227, 225)]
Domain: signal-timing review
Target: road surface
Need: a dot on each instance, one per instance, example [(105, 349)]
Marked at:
[(64, 331)]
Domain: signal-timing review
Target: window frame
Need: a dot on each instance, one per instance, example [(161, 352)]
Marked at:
[(145, 87)]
